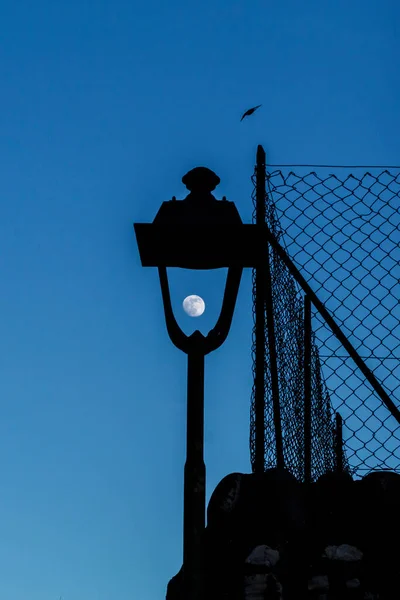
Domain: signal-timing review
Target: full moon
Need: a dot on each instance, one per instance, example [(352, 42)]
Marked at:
[(193, 306)]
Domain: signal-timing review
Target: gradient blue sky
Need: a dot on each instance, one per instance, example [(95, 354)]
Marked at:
[(103, 107)]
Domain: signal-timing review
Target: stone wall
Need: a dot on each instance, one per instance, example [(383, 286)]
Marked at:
[(270, 537)]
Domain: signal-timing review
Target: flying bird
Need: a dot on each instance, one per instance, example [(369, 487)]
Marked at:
[(250, 111)]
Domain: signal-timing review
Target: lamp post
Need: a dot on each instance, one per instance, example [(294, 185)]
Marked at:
[(199, 232)]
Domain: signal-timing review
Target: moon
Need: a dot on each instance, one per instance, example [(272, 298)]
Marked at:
[(194, 306)]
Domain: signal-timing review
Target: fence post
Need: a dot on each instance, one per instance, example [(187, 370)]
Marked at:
[(264, 310), (269, 307), (259, 378), (307, 389), (339, 443)]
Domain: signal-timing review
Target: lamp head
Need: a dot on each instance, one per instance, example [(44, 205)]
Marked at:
[(201, 179), (199, 207), (198, 232)]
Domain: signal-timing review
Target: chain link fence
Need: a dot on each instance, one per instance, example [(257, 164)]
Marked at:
[(342, 231)]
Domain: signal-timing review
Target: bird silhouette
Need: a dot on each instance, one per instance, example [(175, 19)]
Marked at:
[(250, 111)]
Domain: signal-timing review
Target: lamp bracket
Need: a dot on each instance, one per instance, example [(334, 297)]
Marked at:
[(197, 342)]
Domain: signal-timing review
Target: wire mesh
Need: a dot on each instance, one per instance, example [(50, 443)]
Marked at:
[(342, 231)]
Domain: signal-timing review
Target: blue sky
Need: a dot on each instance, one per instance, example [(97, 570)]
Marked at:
[(104, 106)]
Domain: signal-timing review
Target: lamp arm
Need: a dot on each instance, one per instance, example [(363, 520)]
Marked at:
[(217, 336), (178, 338), (219, 333)]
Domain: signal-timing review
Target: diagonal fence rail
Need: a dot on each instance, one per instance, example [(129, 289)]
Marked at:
[(340, 234)]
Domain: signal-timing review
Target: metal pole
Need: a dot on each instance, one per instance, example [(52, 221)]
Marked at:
[(265, 310), (194, 482), (259, 386), (339, 443), (196, 346), (307, 390)]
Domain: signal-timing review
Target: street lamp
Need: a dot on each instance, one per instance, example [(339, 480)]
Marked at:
[(199, 232)]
